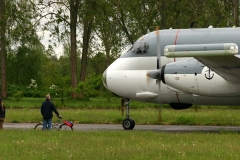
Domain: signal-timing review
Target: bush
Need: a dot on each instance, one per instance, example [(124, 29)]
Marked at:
[(26, 92), (12, 89), (18, 95), (92, 87)]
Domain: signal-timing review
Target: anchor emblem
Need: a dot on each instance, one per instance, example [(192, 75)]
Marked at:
[(209, 76)]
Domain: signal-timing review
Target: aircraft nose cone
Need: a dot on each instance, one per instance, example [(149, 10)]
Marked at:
[(104, 78)]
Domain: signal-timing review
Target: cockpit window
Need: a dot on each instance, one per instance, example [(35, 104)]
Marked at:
[(140, 47)]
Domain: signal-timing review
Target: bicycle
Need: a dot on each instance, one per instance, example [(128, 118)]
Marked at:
[(58, 125)]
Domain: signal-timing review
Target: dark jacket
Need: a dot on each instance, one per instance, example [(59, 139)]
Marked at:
[(2, 112), (47, 109)]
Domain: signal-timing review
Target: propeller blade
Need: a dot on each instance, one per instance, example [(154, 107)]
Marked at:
[(158, 48), (157, 74)]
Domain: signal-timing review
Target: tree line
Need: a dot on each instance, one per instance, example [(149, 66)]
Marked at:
[(93, 33)]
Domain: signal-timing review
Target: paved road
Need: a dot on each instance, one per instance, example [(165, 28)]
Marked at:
[(159, 128)]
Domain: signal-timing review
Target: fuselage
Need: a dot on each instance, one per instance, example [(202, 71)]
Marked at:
[(186, 80)]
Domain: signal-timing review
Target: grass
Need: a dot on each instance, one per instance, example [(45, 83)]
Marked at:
[(101, 110), (74, 104), (108, 145), (141, 116)]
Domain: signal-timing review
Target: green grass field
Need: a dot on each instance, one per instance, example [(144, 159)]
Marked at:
[(108, 145), (141, 116), (90, 103), (101, 110)]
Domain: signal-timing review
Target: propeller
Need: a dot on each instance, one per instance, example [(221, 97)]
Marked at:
[(158, 48), (156, 74)]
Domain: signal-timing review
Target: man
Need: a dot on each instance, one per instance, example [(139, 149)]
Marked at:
[(46, 111), (2, 113)]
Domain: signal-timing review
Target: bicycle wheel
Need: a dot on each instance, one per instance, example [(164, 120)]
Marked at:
[(54, 126), (65, 127), (39, 126)]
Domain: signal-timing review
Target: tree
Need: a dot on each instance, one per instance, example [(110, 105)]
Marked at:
[(2, 49), (236, 12), (74, 6), (122, 18), (62, 25), (24, 64), (110, 34), (87, 13), (16, 22)]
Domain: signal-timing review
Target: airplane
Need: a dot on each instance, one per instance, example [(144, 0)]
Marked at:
[(179, 67)]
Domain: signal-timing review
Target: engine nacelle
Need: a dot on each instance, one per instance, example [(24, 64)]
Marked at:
[(180, 106), (193, 77)]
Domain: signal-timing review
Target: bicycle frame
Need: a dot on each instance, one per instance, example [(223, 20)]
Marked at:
[(57, 125), (70, 124)]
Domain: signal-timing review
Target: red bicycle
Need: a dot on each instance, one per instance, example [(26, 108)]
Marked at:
[(58, 125)]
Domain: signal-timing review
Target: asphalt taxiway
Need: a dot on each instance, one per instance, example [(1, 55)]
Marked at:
[(159, 128)]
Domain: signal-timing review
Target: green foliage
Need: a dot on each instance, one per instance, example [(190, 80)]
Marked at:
[(92, 87), (26, 63), (18, 95), (97, 64), (12, 89), (27, 91), (20, 16)]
